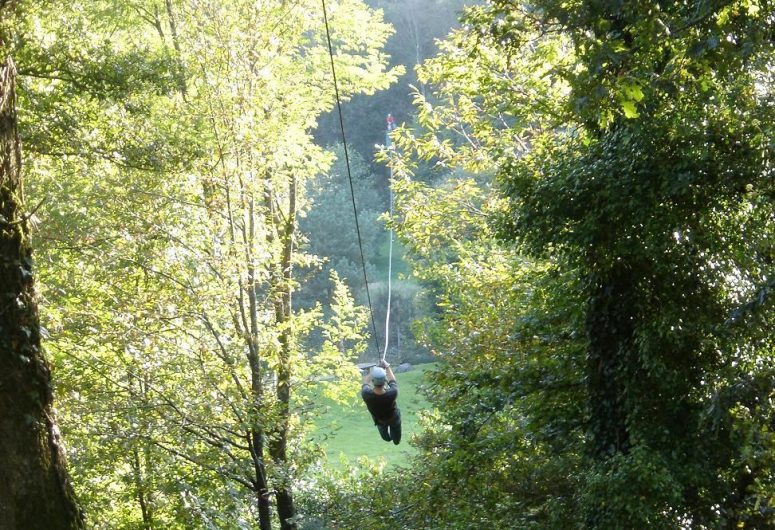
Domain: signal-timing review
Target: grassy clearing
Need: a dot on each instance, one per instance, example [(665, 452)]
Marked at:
[(347, 431)]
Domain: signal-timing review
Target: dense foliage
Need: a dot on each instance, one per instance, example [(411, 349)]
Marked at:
[(607, 316), (172, 143), (584, 197)]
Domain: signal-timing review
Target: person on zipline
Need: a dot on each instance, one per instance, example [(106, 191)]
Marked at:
[(381, 402)]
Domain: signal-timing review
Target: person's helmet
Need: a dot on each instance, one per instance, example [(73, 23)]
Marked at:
[(378, 376)]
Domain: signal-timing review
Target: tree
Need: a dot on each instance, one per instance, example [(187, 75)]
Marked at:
[(629, 387), (261, 115), (186, 368), (35, 492), (640, 196)]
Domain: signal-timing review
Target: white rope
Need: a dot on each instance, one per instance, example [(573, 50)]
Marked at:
[(390, 127), (390, 276)]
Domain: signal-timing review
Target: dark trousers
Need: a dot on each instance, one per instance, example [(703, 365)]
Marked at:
[(391, 431)]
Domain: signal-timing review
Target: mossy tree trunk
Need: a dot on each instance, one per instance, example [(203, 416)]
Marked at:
[(35, 490)]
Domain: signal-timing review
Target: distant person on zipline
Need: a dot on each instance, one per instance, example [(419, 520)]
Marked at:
[(381, 401)]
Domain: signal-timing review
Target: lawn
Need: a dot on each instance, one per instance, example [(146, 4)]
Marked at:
[(347, 431)]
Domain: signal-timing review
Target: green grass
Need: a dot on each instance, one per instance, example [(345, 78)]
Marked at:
[(347, 431)]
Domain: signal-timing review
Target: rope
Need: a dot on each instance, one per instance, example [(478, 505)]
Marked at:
[(390, 253), (390, 287), (349, 176)]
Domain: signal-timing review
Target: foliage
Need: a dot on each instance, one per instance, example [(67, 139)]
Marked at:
[(585, 198), (609, 351), (168, 313), (418, 25), (650, 196), (330, 233), (329, 226)]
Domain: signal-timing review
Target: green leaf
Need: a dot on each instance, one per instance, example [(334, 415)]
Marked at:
[(633, 92), (630, 109)]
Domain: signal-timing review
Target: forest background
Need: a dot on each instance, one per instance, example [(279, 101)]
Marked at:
[(584, 199)]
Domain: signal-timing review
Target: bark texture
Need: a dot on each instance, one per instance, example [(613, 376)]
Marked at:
[(35, 490)]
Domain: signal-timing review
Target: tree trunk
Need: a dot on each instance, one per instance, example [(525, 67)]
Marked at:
[(257, 436), (261, 486), (140, 493), (610, 329), (181, 70), (142, 468), (611, 362), (282, 289), (279, 446), (35, 489)]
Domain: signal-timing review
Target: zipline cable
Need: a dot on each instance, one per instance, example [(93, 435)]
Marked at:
[(350, 177)]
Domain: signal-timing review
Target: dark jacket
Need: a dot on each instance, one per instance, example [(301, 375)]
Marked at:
[(382, 407)]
